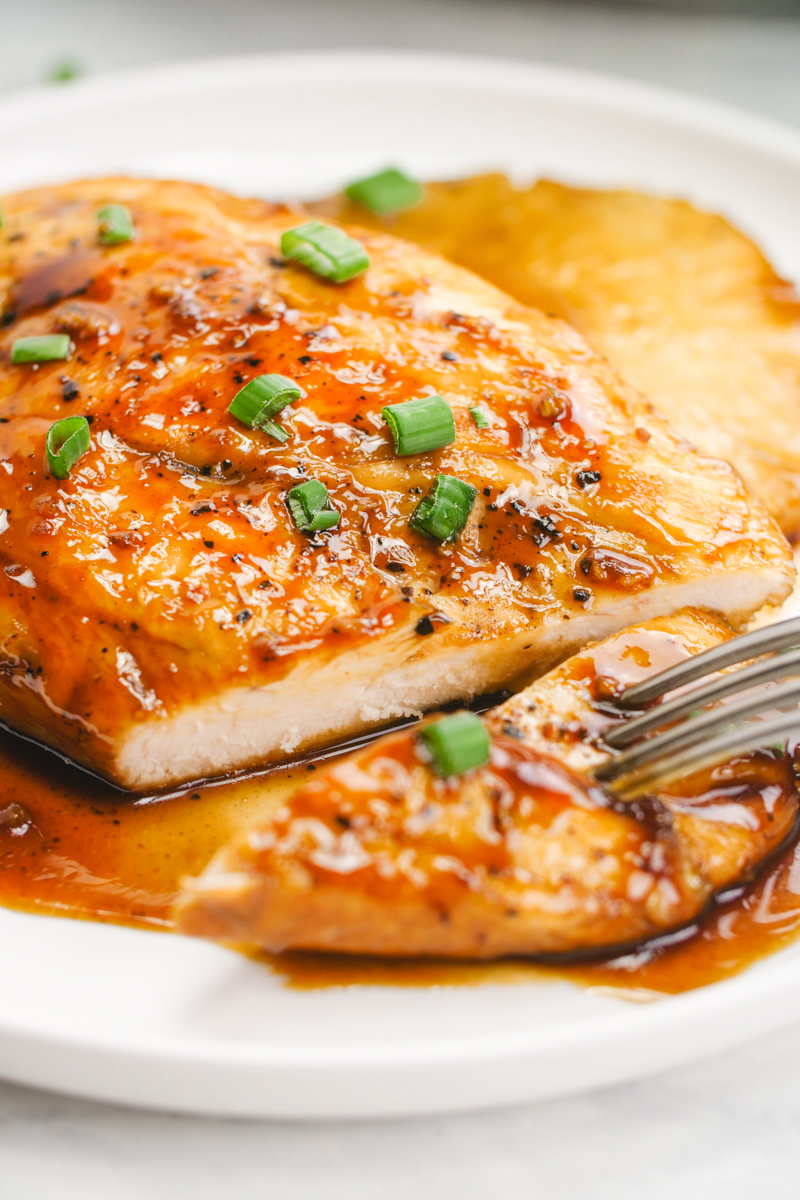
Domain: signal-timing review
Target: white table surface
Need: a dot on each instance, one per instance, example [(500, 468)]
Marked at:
[(725, 1129)]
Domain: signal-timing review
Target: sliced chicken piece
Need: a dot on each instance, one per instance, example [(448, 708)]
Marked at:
[(683, 304), (162, 616), (378, 855)]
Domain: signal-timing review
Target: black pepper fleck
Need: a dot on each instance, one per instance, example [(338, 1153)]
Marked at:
[(69, 388)]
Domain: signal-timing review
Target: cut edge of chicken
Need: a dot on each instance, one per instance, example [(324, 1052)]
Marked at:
[(282, 907), (316, 705)]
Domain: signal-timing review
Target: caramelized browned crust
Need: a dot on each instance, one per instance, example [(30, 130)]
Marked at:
[(161, 617), (684, 305), (524, 856)]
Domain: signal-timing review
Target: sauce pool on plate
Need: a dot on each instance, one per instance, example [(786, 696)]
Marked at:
[(72, 845)]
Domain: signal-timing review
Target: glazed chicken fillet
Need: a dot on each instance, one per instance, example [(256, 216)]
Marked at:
[(162, 618), (684, 305), (525, 855)]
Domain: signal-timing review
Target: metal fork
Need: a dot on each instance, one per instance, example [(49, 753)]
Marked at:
[(707, 737)]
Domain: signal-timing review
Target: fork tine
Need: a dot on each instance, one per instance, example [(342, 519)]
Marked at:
[(753, 735), (784, 635), (704, 726), (765, 670)]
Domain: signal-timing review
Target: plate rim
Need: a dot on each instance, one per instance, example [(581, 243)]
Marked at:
[(766, 979), (670, 105)]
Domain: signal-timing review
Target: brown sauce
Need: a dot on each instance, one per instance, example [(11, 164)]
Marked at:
[(71, 845), (756, 920), (167, 568)]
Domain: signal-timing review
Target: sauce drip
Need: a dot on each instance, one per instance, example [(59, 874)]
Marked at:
[(72, 845)]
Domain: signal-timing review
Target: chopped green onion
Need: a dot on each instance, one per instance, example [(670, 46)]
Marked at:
[(309, 505), (457, 743), (115, 225), (387, 192), (66, 441), (420, 425), (443, 514), (325, 250), (1, 218), (64, 72), (48, 348), (275, 431), (262, 399), (479, 417)]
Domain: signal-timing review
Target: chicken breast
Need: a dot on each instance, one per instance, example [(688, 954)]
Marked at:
[(162, 615), (524, 856), (682, 303)]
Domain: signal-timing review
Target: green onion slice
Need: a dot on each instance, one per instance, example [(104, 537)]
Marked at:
[(114, 225), (389, 191), (443, 513), (48, 348), (262, 399), (66, 441), (325, 250), (479, 417), (456, 743), (420, 425), (311, 508)]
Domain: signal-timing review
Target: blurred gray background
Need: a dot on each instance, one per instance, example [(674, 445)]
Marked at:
[(743, 51)]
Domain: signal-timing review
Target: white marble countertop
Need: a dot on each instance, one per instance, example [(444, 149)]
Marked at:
[(724, 1129)]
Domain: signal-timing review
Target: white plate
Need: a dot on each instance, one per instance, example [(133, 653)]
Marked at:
[(169, 1023)]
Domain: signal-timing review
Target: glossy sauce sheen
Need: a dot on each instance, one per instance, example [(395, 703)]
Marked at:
[(166, 569), (522, 856), (72, 845), (682, 303)]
